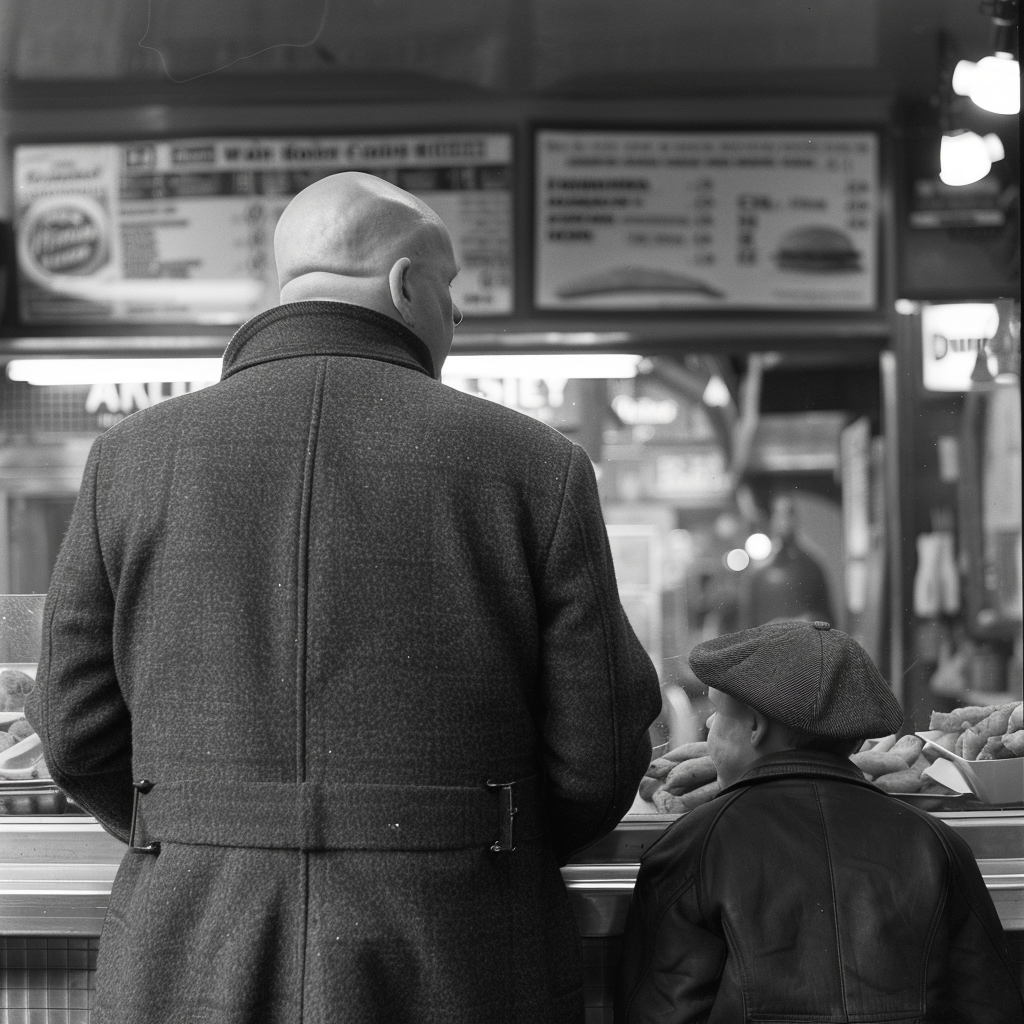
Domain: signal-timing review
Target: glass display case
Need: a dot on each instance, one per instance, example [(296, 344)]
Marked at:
[(25, 784), (727, 482)]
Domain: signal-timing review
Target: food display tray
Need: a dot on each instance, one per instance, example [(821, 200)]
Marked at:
[(34, 796)]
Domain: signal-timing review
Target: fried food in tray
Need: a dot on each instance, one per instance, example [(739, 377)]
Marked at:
[(974, 733), (15, 686), (893, 765), (681, 779), (982, 733)]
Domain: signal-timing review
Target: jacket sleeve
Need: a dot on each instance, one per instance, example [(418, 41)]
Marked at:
[(983, 982), (672, 963), (600, 691), (76, 706)]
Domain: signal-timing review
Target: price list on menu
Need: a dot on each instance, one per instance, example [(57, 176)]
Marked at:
[(667, 220), (182, 231)]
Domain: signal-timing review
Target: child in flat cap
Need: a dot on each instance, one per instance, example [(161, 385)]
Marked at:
[(802, 892)]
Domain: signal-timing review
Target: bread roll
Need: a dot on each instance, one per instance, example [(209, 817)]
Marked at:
[(1014, 742), (686, 751), (20, 730), (648, 787), (669, 804), (908, 747), (906, 781), (995, 750), (996, 723), (872, 763), (689, 775), (700, 796), (958, 718), (881, 744), (974, 743), (660, 767)]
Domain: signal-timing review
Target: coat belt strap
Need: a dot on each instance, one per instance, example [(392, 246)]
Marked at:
[(337, 816)]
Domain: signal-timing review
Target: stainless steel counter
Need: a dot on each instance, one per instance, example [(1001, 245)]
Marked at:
[(56, 872)]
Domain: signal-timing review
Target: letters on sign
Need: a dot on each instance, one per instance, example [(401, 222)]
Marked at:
[(129, 397)]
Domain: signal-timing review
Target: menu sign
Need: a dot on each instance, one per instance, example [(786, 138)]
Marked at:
[(182, 230), (726, 220)]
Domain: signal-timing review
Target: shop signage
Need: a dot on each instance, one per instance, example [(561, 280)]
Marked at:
[(182, 231), (79, 408), (127, 398), (553, 400), (951, 336), (644, 411), (695, 474), (715, 220)]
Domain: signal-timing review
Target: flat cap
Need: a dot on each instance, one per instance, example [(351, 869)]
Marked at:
[(806, 675)]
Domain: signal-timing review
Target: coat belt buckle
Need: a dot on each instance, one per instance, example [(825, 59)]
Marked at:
[(140, 787), (507, 811)]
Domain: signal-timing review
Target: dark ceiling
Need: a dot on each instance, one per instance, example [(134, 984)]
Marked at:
[(420, 48)]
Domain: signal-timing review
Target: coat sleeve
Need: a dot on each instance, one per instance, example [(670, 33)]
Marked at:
[(983, 982), (600, 691), (76, 706), (672, 963)]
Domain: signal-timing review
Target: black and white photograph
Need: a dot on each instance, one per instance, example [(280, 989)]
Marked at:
[(510, 512)]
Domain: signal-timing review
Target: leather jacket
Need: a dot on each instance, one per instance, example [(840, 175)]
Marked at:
[(804, 894)]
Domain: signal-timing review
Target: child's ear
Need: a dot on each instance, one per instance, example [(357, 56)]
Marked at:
[(760, 727)]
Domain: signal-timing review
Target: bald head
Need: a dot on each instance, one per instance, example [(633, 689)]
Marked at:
[(356, 238)]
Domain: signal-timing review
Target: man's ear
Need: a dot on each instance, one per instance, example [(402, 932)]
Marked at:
[(401, 296)]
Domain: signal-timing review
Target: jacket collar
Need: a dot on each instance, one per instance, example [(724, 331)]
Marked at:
[(324, 329), (800, 763)]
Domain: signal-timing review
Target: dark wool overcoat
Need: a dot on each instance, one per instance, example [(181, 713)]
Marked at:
[(320, 605)]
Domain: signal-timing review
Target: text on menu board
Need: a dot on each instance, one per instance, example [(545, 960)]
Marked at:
[(182, 230), (656, 220)]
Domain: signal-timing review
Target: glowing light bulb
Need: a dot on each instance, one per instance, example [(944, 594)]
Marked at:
[(993, 83), (716, 393), (967, 157), (737, 559), (758, 546)]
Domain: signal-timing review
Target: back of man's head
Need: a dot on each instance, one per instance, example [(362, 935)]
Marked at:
[(350, 225), (355, 238)]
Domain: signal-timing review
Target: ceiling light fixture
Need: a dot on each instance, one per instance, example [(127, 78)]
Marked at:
[(569, 365), (966, 157), (993, 83), (71, 372)]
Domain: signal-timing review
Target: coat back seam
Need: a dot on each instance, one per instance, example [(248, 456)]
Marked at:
[(840, 958), (302, 571)]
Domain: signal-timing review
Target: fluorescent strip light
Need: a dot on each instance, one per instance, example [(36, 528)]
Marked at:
[(44, 372), (570, 365), (80, 372)]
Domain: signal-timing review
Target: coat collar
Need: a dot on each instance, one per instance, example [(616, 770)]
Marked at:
[(324, 329), (800, 763)]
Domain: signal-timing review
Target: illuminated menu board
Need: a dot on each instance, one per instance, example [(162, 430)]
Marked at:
[(182, 231), (715, 220)]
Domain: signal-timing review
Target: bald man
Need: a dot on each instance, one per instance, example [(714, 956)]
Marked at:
[(338, 651)]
